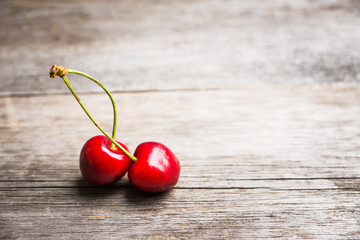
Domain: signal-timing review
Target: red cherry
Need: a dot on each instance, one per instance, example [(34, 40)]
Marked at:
[(156, 170), (99, 164)]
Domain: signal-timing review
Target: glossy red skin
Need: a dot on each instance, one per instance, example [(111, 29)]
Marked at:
[(156, 170), (101, 165)]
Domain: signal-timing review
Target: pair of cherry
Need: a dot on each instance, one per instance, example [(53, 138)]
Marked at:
[(103, 160)]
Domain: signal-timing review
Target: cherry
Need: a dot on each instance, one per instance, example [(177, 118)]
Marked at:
[(102, 159), (156, 169), (101, 165)]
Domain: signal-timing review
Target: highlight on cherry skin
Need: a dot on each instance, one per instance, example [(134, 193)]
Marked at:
[(102, 165)]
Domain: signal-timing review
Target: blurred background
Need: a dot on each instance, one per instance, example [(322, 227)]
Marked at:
[(191, 44)]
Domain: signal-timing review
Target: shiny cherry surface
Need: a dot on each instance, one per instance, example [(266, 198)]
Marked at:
[(99, 164), (156, 170)]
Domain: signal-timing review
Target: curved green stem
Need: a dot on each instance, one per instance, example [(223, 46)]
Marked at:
[(108, 93), (91, 118)]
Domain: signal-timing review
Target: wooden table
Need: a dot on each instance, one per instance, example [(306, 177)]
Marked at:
[(260, 101)]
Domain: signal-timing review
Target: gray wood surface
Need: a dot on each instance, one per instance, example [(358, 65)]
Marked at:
[(258, 99), (142, 45), (264, 162)]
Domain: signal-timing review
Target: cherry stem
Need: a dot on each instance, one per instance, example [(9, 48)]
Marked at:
[(61, 72), (112, 146)]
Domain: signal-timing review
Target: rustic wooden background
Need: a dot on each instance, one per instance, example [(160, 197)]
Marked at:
[(260, 101)]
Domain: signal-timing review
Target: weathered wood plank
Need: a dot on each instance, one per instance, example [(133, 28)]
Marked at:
[(198, 44), (202, 177), (93, 213), (303, 132)]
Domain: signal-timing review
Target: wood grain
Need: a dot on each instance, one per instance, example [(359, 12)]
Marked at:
[(167, 45), (258, 99), (93, 213), (261, 162)]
